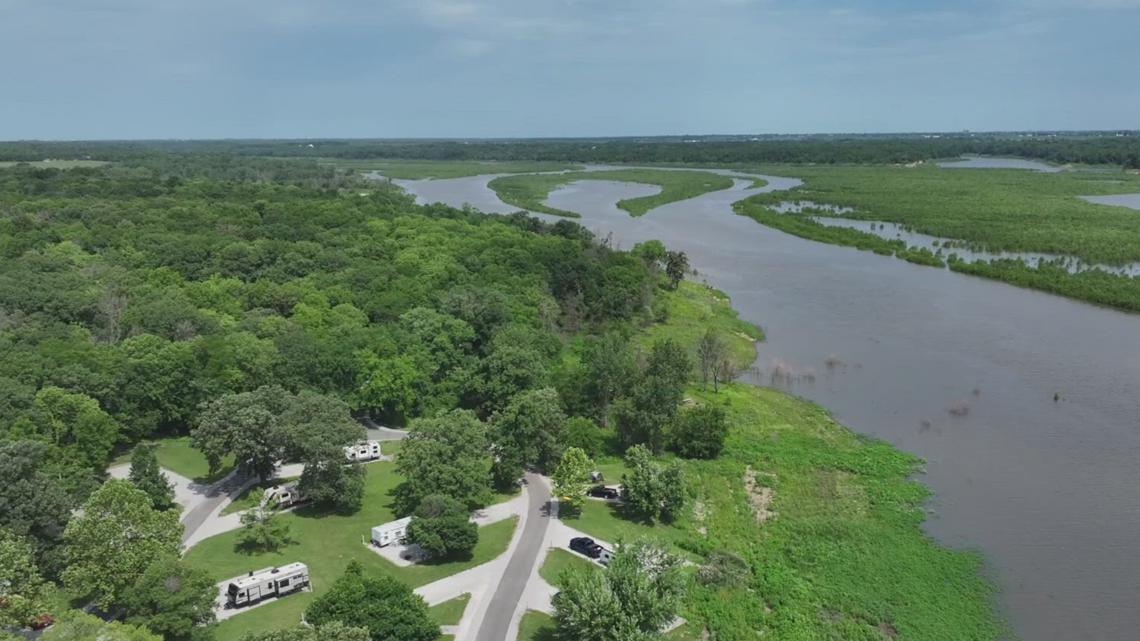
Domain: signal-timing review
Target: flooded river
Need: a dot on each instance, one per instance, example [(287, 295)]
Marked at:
[(959, 370)]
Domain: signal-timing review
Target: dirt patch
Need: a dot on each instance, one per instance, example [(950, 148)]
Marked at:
[(746, 337), (759, 496), (699, 513), (888, 630)]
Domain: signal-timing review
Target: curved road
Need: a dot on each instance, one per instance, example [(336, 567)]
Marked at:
[(497, 619)]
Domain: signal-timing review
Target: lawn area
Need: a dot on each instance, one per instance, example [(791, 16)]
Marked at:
[(530, 191), (559, 561), (178, 456), (327, 542), (438, 169), (536, 626), (450, 612), (610, 522)]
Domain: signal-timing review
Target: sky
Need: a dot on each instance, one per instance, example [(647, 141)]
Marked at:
[(127, 69)]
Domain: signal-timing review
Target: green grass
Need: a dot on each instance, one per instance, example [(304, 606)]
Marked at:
[(692, 310), (559, 561), (424, 169), (529, 191), (57, 164), (536, 626), (450, 612), (178, 456), (327, 543)]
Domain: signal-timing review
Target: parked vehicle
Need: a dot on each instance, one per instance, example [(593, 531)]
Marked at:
[(391, 532), (596, 477), (363, 451), (269, 582), (603, 492), (285, 495), (585, 545)]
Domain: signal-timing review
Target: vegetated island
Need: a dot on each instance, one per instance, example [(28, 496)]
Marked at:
[(437, 169), (995, 210), (530, 191), (253, 304)]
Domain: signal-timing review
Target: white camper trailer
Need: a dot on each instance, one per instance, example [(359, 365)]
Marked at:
[(286, 495), (364, 451), (392, 532), (266, 583)]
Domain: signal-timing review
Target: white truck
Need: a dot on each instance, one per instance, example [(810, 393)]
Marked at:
[(391, 532), (266, 583), (363, 451)]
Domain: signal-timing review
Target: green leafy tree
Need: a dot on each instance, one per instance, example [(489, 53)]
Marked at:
[(645, 416), (585, 435), (528, 432), (172, 599), (650, 490), (381, 604), (332, 631), (76, 424), (148, 477), (635, 598), (448, 455), (114, 539), (676, 266), (572, 478), (21, 586), (32, 502), (245, 425), (78, 626), (504, 373), (442, 527), (699, 432), (313, 425), (391, 386), (262, 528), (712, 353), (331, 483), (610, 367)]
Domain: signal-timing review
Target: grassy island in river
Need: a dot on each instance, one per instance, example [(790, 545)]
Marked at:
[(530, 191)]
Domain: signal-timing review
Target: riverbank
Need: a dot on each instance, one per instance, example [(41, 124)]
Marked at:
[(829, 521), (530, 191)]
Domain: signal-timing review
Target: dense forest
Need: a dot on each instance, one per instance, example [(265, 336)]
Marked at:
[(1104, 148)]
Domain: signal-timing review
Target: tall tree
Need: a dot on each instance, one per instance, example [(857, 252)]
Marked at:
[(32, 502), (447, 455), (529, 430), (711, 351), (610, 368), (21, 586), (572, 478), (79, 626), (114, 539), (262, 529), (245, 425), (442, 527), (651, 490), (382, 604), (172, 599), (635, 598), (76, 424), (329, 482), (676, 266), (148, 477)]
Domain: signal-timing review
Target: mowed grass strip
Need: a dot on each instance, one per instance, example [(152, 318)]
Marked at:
[(326, 543), (536, 626), (559, 561), (530, 191), (450, 612)]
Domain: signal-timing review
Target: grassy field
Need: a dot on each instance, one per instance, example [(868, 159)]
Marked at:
[(529, 191), (56, 164), (423, 169), (559, 561), (536, 626), (177, 455), (450, 612), (979, 209), (692, 310), (327, 543), (829, 521)]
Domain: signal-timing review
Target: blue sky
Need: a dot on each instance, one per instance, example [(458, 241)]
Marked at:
[(491, 68)]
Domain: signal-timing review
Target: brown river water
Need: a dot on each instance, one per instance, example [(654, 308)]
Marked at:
[(959, 370)]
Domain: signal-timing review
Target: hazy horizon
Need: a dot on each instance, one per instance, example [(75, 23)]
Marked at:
[(159, 69)]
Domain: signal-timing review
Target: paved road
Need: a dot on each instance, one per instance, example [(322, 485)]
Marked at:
[(497, 620), (216, 494), (378, 432)]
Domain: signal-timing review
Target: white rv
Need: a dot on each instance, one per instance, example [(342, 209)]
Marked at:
[(391, 532), (286, 495), (266, 583), (363, 451)]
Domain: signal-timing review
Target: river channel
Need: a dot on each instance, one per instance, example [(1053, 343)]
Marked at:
[(1025, 405)]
